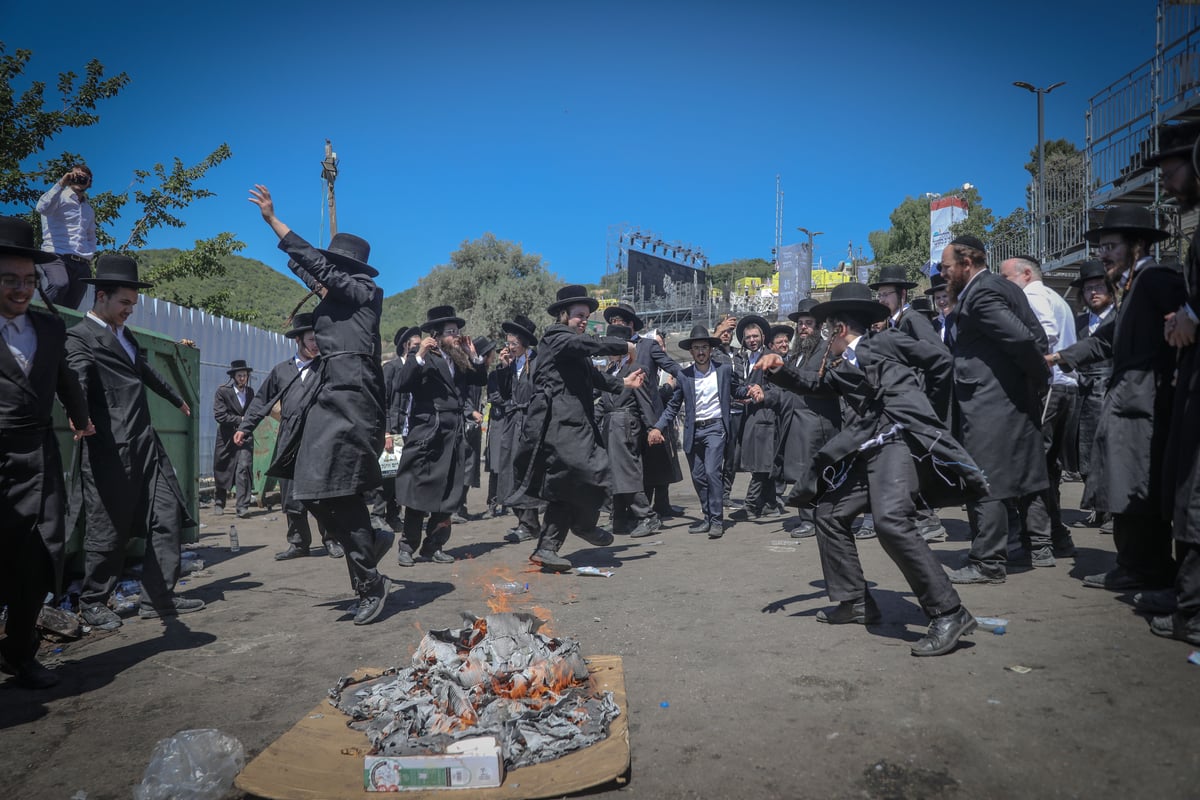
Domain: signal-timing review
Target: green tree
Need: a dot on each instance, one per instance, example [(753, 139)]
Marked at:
[(160, 194), (906, 243), (489, 280)]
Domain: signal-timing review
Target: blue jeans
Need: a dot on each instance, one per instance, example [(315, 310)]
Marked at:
[(706, 460)]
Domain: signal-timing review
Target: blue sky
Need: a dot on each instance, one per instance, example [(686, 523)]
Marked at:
[(547, 123)]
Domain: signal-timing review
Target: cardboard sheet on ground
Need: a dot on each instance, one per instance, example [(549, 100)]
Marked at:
[(308, 761)]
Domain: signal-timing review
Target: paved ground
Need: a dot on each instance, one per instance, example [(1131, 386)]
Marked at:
[(762, 701)]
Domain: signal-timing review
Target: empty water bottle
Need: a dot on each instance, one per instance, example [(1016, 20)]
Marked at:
[(510, 587), (234, 545)]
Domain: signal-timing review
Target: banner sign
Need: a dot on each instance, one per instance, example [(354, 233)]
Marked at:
[(943, 212)]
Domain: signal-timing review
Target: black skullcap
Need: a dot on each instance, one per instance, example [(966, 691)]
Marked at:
[(1029, 258), (968, 241)]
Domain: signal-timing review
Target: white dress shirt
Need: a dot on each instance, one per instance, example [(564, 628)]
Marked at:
[(21, 338), (68, 222), (1058, 321), (708, 404)]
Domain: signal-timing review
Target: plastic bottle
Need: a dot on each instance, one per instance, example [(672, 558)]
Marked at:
[(234, 545), (510, 587), (129, 587)]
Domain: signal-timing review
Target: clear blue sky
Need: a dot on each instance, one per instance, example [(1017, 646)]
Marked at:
[(547, 122)]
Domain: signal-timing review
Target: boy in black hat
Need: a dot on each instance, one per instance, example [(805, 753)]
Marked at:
[(756, 451), (510, 389), (474, 404), (33, 370), (233, 461)]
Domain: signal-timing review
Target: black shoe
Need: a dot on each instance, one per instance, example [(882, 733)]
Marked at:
[(971, 573), (550, 561), (772, 511), (243, 514), (334, 550), (865, 532), (702, 526), (596, 537), (459, 518), (1107, 527), (100, 617), (716, 528), (1173, 626), (292, 552), (744, 513), (218, 511), (371, 606), (383, 542), (29, 673), (669, 512), (944, 633), (404, 557), (1064, 548), (519, 534), (1118, 579), (179, 605), (1160, 601), (1042, 557), (646, 527), (861, 612), (805, 530), (437, 557)]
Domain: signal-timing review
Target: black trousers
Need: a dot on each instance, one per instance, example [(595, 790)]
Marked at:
[(347, 522), (989, 521), (1187, 583), (1045, 512), (26, 575), (630, 508), (709, 449), (243, 468), (298, 531), (733, 451), (561, 518), (63, 278), (437, 531), (883, 482), (761, 494), (1144, 547), (527, 518)]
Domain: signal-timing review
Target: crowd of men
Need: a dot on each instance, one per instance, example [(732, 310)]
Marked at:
[(875, 410)]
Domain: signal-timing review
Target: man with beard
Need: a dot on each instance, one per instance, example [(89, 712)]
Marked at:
[(513, 392), (758, 431), (1131, 438), (1099, 298), (233, 460), (1059, 326), (560, 456), (806, 421), (285, 385), (385, 512), (474, 404), (432, 470), (329, 441), (1177, 159), (882, 459), (1000, 381)]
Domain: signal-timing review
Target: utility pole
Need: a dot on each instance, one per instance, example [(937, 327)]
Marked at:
[(778, 220), (329, 173), (1040, 196)]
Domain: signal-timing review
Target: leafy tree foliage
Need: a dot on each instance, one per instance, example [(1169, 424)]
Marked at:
[(906, 243)]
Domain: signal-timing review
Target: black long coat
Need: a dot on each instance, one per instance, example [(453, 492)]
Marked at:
[(474, 401), (560, 456), (228, 413), (493, 445), (660, 464), (938, 383), (283, 386), (119, 462), (1093, 384), (1182, 477), (759, 429), (806, 422), (433, 463), (32, 494), (329, 444), (1000, 382), (624, 418), (1127, 453)]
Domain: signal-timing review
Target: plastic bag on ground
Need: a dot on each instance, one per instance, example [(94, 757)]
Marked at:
[(192, 765)]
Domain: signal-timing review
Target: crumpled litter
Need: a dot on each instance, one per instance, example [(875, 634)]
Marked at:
[(603, 573), (192, 765)]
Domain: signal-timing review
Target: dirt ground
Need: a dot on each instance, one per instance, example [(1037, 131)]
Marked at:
[(734, 689)]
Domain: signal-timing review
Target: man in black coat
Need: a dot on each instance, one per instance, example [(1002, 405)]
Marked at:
[(757, 451), (560, 456), (329, 442), (129, 487), (431, 478), (1126, 477), (510, 388), (285, 385), (1000, 384), (233, 462), (1099, 297), (474, 406), (33, 370), (882, 459)]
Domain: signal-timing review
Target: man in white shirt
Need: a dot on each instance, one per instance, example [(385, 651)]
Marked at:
[(68, 231), (1058, 321)]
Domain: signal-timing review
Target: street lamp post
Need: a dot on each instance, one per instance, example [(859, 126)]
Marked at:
[(1041, 176), (810, 235)]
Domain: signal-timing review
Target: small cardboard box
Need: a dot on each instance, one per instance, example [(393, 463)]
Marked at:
[(466, 764)]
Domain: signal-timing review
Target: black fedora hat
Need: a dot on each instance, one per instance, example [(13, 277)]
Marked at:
[(1089, 270), (787, 330), (238, 365), (571, 295), (923, 305), (619, 331), (893, 275), (404, 334), (523, 328), (752, 319), (1135, 220), (627, 311), (699, 335), (937, 282), (117, 269), (16, 239), (855, 299), (1177, 140), (803, 309), (483, 345), (438, 316), (301, 323), (350, 252)]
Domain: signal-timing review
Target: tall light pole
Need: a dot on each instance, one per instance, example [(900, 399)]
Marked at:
[(1041, 176), (810, 235)]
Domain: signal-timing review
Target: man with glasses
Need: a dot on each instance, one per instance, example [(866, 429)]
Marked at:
[(69, 232)]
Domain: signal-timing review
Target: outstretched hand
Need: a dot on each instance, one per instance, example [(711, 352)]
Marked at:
[(261, 196), (634, 379), (768, 361)]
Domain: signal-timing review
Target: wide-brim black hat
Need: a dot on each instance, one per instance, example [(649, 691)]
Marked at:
[(238, 365), (619, 331), (523, 328), (404, 334), (16, 239), (438, 316), (570, 296), (350, 252), (625, 310), (854, 299), (483, 345), (1089, 270), (803, 309), (937, 282), (1178, 140), (699, 334), (787, 330), (1135, 220), (752, 319), (301, 323), (893, 275), (117, 269)]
